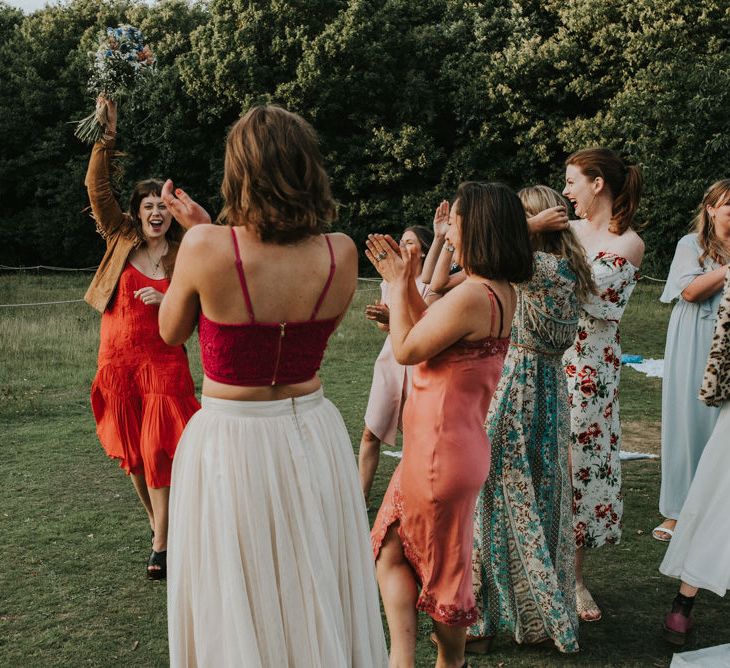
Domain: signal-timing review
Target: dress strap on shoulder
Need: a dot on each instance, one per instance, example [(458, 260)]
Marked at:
[(493, 298), (327, 284), (242, 277)]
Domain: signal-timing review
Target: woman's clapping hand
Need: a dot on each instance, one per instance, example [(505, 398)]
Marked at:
[(385, 255), (441, 220), (378, 312)]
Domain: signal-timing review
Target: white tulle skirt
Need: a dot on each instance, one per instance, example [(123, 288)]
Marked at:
[(269, 558)]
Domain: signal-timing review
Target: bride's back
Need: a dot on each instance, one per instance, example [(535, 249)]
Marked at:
[(284, 281)]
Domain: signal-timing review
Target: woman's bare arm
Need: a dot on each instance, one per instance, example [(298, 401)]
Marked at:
[(705, 286), (181, 305)]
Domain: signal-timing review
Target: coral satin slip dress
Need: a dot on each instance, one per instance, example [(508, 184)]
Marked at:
[(446, 455)]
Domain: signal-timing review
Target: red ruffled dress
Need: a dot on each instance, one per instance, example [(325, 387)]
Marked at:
[(143, 394)]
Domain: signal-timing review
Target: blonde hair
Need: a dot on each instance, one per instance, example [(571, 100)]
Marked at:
[(716, 195), (560, 242)]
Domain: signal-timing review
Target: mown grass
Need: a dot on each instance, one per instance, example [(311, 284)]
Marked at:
[(73, 541)]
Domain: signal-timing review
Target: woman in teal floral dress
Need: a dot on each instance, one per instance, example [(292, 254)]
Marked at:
[(524, 548)]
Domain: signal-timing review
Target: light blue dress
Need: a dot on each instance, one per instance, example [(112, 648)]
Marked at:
[(687, 422)]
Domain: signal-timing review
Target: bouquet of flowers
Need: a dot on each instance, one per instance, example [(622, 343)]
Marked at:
[(120, 61)]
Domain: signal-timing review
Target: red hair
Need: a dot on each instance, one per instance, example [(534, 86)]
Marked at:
[(625, 182)]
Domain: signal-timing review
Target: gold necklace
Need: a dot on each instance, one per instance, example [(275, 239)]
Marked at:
[(155, 265)]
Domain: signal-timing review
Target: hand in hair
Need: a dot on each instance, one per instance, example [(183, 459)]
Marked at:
[(185, 210), (549, 220)]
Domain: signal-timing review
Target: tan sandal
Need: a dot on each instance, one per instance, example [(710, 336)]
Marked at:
[(588, 610), (477, 645), (474, 644)]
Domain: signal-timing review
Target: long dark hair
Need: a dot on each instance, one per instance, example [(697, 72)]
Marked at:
[(625, 182), (495, 242), (175, 232)]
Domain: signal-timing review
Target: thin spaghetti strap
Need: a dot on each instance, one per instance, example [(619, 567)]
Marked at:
[(242, 277), (329, 279), (493, 298)]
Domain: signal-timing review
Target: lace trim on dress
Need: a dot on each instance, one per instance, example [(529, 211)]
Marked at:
[(451, 615)]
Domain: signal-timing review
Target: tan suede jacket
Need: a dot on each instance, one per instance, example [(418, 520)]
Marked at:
[(111, 222)]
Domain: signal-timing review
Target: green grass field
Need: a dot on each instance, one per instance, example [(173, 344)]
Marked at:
[(74, 541)]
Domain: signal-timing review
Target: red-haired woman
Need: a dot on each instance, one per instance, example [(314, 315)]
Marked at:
[(143, 394), (605, 193)]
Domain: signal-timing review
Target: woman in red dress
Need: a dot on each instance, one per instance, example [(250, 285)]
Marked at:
[(422, 536), (143, 394)]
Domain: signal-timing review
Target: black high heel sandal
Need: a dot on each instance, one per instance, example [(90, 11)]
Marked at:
[(157, 565)]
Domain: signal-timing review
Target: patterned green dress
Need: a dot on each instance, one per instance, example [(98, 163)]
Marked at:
[(524, 549)]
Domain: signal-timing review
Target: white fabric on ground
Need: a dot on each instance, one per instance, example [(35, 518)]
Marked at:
[(709, 657), (627, 456), (651, 367)]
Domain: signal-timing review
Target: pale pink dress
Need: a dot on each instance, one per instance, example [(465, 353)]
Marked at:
[(390, 386)]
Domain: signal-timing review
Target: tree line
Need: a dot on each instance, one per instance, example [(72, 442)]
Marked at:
[(409, 97)]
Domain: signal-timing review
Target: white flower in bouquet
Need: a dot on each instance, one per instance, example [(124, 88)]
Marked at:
[(121, 60)]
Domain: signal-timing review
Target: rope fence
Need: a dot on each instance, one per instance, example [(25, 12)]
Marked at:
[(74, 301), (64, 301), (4, 267)]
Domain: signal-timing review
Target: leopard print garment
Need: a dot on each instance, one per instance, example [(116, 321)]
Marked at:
[(716, 381)]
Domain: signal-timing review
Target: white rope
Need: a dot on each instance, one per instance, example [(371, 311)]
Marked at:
[(651, 278), (74, 301), (5, 267), (65, 301)]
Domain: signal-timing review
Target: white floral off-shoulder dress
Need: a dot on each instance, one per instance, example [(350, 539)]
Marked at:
[(593, 367)]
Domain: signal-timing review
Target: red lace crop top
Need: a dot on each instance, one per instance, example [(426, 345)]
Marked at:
[(253, 354)]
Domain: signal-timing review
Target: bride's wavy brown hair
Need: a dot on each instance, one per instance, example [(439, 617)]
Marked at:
[(560, 242), (274, 179)]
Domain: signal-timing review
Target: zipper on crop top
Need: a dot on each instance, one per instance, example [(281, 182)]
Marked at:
[(282, 333)]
